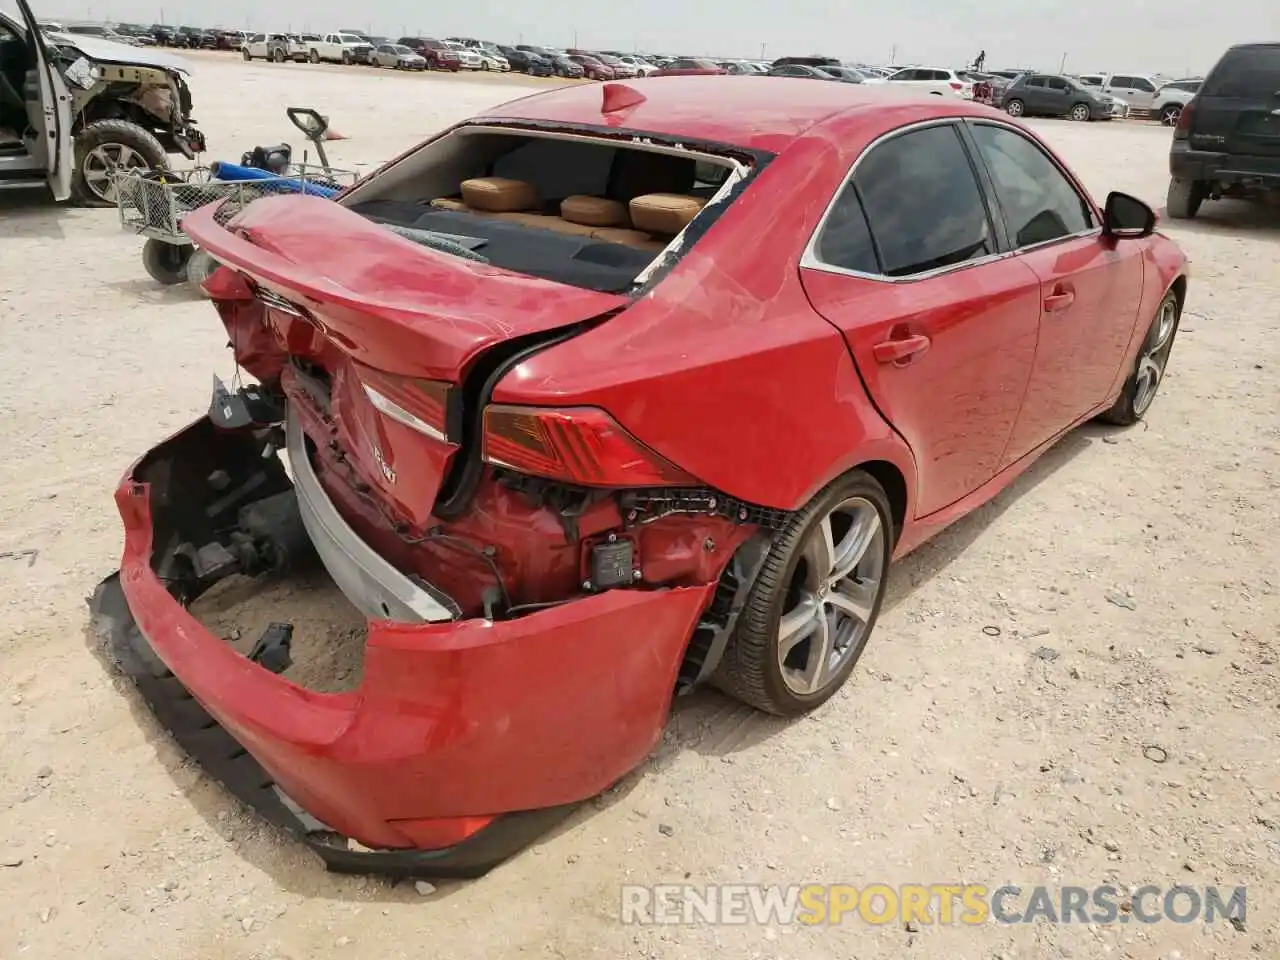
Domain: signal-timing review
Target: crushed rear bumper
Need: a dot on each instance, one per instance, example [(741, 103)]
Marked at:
[(463, 741)]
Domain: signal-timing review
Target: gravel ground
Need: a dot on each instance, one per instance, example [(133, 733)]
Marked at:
[(1120, 595)]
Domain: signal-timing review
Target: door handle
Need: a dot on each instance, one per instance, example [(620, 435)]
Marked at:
[(901, 352), (1060, 299)]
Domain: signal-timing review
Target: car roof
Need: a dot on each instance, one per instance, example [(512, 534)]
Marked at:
[(762, 113)]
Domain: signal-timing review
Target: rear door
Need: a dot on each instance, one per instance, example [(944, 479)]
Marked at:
[(52, 123), (908, 264), (1238, 108)]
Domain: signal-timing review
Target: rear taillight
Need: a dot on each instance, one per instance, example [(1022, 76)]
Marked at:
[(419, 404), (1182, 129), (956, 86), (580, 445)]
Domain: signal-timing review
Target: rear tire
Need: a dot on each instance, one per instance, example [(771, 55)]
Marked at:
[(247, 55), (796, 590), (166, 262), (1169, 114), (1079, 112), (1015, 108), (1184, 198), (314, 56)]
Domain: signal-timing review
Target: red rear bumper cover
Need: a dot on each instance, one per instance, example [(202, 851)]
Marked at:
[(456, 720)]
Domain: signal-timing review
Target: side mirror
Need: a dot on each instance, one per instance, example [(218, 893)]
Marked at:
[(309, 121), (1127, 217)]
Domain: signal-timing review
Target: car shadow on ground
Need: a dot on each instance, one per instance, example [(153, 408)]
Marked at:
[(1256, 220), (705, 721), (31, 215)]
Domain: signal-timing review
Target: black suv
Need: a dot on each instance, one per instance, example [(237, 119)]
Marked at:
[(1227, 139)]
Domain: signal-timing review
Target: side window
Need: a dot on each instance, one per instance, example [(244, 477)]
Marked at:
[(1143, 84), (1038, 202), (845, 240), (940, 75), (1124, 83), (1035, 82), (922, 202), (1057, 83)]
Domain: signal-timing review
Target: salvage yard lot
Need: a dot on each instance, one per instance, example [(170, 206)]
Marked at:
[(1121, 595)]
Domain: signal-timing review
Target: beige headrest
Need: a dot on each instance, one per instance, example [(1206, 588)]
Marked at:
[(664, 213), (499, 195), (593, 211)]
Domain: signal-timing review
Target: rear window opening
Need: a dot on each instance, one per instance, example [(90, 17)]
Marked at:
[(575, 209), (328, 639)]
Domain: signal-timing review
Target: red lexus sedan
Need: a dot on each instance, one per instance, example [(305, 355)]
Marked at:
[(603, 394)]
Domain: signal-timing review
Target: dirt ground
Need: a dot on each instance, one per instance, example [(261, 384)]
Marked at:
[(1122, 595)]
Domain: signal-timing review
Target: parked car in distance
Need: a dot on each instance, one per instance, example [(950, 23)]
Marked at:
[(1170, 99), (621, 69), (526, 61), (138, 32), (843, 74), (492, 61), (101, 31), (398, 57), (277, 47), (934, 299), (690, 67), (468, 57), (1226, 141), (1052, 95), (800, 70), (564, 66), (339, 48), (593, 69), (163, 34), (934, 80), (438, 54), (641, 66), (1137, 90)]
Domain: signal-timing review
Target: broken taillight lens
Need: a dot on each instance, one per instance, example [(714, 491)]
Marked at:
[(580, 445), (419, 404)]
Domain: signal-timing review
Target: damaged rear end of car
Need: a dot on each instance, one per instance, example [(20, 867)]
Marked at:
[(509, 594)]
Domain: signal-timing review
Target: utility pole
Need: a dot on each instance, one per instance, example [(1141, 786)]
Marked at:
[(575, 39), (762, 49), (893, 55), (1062, 66)]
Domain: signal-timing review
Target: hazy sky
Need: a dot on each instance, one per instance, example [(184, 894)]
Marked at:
[(1171, 36)]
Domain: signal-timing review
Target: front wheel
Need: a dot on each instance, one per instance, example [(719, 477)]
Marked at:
[(247, 55), (1015, 108), (314, 56), (1140, 388), (1170, 113), (106, 148), (1184, 198), (278, 57), (1079, 112), (814, 603), (346, 58), (166, 262)]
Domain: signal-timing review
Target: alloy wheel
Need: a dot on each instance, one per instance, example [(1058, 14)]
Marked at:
[(1170, 114), (832, 596), (104, 161), (1014, 108), (1079, 112), (1155, 355)]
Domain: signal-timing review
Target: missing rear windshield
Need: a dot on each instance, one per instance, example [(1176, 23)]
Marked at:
[(574, 209)]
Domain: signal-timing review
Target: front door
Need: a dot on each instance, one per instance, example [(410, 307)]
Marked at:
[(943, 329), (52, 122), (1090, 286)]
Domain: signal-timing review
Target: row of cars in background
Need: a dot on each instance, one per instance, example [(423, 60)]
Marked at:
[(1087, 96)]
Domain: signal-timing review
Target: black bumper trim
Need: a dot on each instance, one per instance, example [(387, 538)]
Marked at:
[(224, 759)]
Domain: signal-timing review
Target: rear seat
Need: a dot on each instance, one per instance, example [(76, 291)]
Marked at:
[(647, 223)]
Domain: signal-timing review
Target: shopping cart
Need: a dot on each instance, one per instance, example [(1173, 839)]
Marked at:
[(152, 203)]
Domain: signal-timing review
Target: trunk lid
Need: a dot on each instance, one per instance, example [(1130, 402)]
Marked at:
[(378, 326), (1238, 107)]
